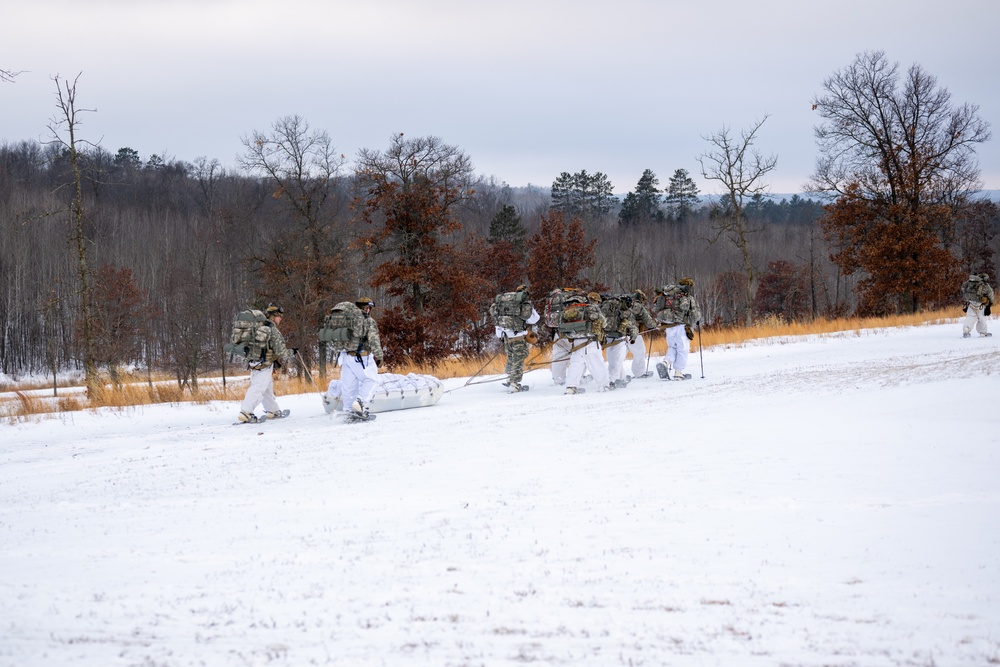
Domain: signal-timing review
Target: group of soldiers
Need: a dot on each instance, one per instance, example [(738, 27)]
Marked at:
[(603, 331), (596, 341)]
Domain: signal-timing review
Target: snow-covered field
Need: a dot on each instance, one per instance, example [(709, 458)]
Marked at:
[(815, 501)]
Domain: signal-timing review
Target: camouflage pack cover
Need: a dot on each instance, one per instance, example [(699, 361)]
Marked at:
[(511, 310), (568, 312), (669, 305), (250, 335), (344, 327), (975, 288)]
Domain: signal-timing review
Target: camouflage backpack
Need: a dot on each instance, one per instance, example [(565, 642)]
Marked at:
[(612, 306), (344, 327), (667, 305), (511, 310), (251, 331), (974, 289), (570, 314)]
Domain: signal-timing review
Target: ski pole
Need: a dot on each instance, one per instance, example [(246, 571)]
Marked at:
[(649, 349), (304, 368), (701, 358)]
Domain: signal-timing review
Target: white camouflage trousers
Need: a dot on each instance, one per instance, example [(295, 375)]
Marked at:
[(357, 379), (588, 357), (560, 359), (616, 358), (678, 347), (975, 316), (261, 390)]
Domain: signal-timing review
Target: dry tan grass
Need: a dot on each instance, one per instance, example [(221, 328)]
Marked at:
[(26, 399)]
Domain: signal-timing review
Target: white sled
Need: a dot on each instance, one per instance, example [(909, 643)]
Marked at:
[(394, 392)]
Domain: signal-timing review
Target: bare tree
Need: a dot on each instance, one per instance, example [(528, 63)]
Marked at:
[(740, 169), (63, 129), (8, 76), (304, 167), (900, 159)]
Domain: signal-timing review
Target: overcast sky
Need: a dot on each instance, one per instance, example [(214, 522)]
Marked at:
[(527, 88)]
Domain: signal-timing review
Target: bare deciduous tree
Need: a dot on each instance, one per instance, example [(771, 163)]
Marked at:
[(740, 169), (901, 160), (304, 167), (8, 76), (63, 129)]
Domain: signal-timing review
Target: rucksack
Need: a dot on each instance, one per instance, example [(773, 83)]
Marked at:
[(251, 331), (511, 310), (667, 305), (344, 327), (971, 289), (566, 311), (612, 306)]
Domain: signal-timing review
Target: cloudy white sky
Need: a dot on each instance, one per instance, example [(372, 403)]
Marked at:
[(528, 88)]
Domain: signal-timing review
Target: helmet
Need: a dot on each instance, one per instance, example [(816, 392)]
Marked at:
[(521, 288), (364, 302), (272, 311), (639, 296), (686, 282), (594, 297), (984, 276)]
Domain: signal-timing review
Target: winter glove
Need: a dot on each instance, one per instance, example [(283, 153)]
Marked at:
[(984, 300), (531, 337), (965, 308), (295, 351), (631, 341), (689, 332), (987, 311)]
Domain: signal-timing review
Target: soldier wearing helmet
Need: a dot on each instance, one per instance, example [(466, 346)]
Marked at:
[(261, 389), (978, 296)]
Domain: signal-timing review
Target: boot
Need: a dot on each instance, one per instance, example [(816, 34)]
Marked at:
[(572, 390), (514, 387), (359, 408), (248, 418), (274, 415)]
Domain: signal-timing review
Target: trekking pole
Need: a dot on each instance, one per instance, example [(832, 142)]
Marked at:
[(488, 362), (649, 351), (701, 358), (304, 368)]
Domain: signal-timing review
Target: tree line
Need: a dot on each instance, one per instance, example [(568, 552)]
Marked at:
[(111, 261)]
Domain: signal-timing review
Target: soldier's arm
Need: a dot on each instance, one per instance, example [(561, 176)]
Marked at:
[(278, 344), (374, 342)]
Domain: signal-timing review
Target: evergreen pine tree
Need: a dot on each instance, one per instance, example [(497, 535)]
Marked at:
[(583, 195), (506, 226), (682, 195), (642, 205)]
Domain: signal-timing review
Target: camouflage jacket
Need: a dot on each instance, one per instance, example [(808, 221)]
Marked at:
[(685, 311), (370, 342), (640, 316), (276, 350)]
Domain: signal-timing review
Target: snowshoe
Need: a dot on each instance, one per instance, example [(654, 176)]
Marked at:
[(985, 335), (250, 418), (279, 414), (354, 417), (574, 390), (515, 387), (681, 376), (662, 370)]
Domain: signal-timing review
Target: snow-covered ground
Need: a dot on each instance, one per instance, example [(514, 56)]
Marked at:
[(814, 501)]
